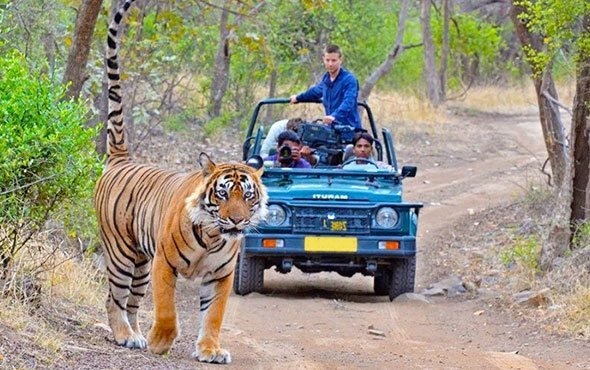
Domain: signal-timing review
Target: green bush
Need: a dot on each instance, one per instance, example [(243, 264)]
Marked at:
[(47, 156), (581, 237), (524, 251)]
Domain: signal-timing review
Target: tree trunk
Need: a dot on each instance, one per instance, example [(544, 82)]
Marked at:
[(553, 128), (75, 72), (445, 49), (397, 49), (580, 138), (222, 63), (558, 238), (220, 80), (433, 91)]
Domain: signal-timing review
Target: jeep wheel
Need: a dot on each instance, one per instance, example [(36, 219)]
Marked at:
[(381, 282), (249, 275), (403, 273)]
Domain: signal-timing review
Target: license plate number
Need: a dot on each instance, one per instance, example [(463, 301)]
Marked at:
[(335, 225)]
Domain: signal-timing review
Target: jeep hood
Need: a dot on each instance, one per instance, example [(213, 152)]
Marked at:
[(335, 190)]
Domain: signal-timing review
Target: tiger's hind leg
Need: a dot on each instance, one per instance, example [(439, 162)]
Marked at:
[(214, 296), (141, 279), (121, 270)]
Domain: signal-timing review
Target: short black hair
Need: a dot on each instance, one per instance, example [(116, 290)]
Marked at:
[(331, 48), (288, 135), (362, 135)]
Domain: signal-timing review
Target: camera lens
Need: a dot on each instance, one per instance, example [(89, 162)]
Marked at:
[(285, 152)]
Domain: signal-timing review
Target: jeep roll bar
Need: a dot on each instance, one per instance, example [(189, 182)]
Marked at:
[(246, 150)]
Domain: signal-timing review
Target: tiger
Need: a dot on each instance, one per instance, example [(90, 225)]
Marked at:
[(156, 224)]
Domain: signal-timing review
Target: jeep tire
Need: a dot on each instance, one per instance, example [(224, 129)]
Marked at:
[(403, 274), (249, 275), (382, 281)]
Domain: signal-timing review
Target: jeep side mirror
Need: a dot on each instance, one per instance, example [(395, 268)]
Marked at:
[(409, 171), (255, 162)]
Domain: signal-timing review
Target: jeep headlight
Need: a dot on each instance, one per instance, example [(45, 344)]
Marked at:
[(276, 215), (386, 217)]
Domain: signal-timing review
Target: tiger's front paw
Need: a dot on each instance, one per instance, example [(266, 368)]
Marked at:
[(218, 356), (160, 339)]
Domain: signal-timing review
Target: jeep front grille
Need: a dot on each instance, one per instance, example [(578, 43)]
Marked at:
[(320, 220)]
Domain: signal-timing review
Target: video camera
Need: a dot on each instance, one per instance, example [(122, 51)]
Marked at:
[(327, 141)]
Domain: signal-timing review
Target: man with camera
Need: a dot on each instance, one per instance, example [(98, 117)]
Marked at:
[(288, 151)]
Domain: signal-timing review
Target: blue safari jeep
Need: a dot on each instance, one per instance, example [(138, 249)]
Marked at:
[(328, 218)]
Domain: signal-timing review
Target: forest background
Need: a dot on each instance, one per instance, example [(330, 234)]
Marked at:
[(201, 65)]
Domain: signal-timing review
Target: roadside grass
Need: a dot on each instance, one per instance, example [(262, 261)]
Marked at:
[(577, 311), (517, 99), (521, 254), (48, 291), (568, 298), (571, 283)]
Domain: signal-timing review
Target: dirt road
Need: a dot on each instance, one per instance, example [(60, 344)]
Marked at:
[(324, 321)]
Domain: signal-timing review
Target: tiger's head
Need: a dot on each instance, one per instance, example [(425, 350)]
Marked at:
[(230, 197)]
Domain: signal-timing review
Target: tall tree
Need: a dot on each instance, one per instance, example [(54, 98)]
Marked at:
[(445, 48), (581, 115), (558, 238), (553, 128), (544, 27), (222, 62), (75, 72), (433, 89), (220, 78), (397, 49)]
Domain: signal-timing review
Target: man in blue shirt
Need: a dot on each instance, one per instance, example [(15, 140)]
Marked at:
[(288, 152), (338, 90)]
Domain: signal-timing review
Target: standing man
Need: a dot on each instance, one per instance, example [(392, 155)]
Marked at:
[(338, 90)]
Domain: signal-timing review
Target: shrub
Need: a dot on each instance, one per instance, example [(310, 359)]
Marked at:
[(581, 237), (47, 156), (524, 252)]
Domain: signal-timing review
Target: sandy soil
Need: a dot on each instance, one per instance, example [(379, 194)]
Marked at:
[(325, 321)]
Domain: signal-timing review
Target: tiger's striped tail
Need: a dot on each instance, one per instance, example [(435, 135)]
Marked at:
[(116, 141)]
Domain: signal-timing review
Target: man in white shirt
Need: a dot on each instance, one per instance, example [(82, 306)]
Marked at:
[(271, 139)]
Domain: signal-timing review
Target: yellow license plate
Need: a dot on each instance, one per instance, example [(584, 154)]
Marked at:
[(329, 244)]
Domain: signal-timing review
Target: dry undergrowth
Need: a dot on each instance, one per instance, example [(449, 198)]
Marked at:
[(49, 291)]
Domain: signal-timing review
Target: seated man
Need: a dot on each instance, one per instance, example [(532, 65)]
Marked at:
[(271, 139), (288, 152), (362, 150)]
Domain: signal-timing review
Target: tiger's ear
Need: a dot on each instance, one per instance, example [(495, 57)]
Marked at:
[(206, 163), (259, 172)]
